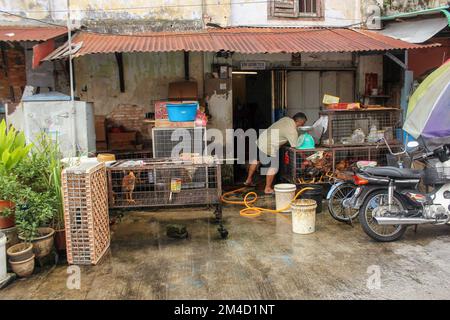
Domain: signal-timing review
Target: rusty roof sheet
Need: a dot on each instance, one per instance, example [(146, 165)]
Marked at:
[(244, 40), (26, 33)]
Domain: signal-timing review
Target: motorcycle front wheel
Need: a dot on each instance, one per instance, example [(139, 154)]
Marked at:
[(382, 233), (335, 203)]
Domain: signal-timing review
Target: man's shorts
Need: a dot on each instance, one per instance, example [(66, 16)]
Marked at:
[(272, 162)]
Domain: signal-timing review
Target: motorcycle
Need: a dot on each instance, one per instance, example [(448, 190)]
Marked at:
[(389, 200)]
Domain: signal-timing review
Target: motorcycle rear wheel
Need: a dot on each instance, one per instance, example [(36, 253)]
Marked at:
[(385, 233)]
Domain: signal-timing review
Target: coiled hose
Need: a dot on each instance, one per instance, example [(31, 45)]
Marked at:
[(250, 198)]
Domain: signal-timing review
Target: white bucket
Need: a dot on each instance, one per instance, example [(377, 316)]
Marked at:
[(304, 216), (284, 194), (3, 273)]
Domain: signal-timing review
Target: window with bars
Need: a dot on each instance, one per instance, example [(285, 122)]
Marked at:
[(296, 8)]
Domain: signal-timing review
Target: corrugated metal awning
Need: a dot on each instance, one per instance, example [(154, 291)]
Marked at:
[(415, 31), (25, 33), (243, 40)]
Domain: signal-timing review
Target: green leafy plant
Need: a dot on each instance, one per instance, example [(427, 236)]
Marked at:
[(41, 171), (11, 190), (35, 211), (13, 147)]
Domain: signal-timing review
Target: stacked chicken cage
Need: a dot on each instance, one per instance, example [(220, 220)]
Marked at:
[(338, 153), (86, 214), (165, 182), (167, 141)]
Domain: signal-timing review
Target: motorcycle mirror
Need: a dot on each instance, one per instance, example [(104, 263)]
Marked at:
[(412, 144)]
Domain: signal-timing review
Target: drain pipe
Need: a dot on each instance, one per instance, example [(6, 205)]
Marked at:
[(3, 273), (186, 65), (72, 97)]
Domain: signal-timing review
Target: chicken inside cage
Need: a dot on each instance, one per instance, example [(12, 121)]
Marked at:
[(152, 183)]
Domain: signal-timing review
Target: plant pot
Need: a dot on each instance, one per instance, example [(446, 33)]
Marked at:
[(10, 221), (23, 268), (43, 243), (20, 252), (60, 240), (12, 236)]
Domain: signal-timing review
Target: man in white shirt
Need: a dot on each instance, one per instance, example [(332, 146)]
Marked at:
[(269, 143)]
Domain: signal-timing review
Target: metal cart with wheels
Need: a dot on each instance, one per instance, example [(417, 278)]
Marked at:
[(166, 182)]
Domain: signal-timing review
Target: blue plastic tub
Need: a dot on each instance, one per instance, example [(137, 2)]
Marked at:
[(182, 111)]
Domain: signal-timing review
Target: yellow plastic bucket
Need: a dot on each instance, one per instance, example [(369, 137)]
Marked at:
[(304, 216)]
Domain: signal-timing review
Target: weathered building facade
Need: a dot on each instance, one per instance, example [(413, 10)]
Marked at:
[(165, 41)]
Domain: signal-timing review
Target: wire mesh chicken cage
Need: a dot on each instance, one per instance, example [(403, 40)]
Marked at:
[(166, 182), (162, 182), (170, 142), (342, 123), (322, 165), (86, 214)]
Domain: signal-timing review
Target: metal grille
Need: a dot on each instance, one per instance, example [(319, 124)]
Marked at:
[(186, 140), (308, 7), (86, 213), (163, 182), (296, 168), (341, 124)]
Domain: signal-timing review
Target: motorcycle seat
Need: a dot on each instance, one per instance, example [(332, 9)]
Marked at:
[(394, 172)]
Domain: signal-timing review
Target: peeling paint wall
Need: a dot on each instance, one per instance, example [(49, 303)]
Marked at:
[(336, 13), (122, 15), (400, 6), (369, 64), (147, 77)]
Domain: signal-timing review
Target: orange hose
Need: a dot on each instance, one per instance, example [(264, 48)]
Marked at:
[(252, 212)]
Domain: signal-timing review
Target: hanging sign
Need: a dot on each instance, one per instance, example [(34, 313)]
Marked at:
[(253, 65)]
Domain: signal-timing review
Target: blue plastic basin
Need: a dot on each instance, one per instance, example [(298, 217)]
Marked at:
[(182, 111)]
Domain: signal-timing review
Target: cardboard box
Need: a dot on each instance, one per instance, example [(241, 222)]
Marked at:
[(122, 146), (161, 110), (100, 128), (159, 123), (122, 137), (183, 90), (101, 146)]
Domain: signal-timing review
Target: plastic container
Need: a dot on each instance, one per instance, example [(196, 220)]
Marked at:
[(304, 216), (284, 194), (3, 273), (316, 194), (182, 112)]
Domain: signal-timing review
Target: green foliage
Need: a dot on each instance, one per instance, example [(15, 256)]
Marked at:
[(32, 209), (32, 182), (41, 171), (13, 148), (36, 210), (10, 189)]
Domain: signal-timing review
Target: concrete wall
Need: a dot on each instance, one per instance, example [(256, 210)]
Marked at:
[(253, 13), (123, 15), (147, 77), (369, 64), (400, 6)]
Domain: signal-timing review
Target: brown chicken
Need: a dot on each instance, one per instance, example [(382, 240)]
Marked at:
[(342, 165), (128, 184)]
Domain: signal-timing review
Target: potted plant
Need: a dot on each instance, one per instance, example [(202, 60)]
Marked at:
[(41, 171), (21, 259), (13, 150)]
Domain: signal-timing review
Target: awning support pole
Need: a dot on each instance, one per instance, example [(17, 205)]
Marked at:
[(119, 59), (398, 61)]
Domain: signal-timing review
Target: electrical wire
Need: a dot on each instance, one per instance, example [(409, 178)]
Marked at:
[(32, 19), (206, 4), (308, 28)]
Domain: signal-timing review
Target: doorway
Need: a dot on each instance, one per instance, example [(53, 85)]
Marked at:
[(252, 108)]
